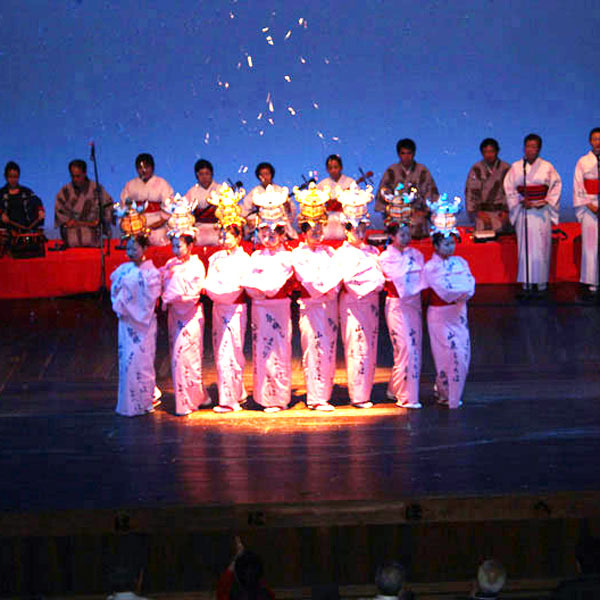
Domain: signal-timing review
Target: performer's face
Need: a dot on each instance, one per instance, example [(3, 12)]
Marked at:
[(595, 142), (356, 235), (270, 238), (314, 235), (78, 177), (265, 177), (406, 157), (334, 169), (134, 250), (181, 249), (490, 154), (204, 177), (231, 239), (145, 171), (402, 237), (532, 149), (12, 179), (446, 246)]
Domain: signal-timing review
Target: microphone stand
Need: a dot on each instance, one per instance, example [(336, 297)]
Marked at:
[(527, 284), (102, 227)]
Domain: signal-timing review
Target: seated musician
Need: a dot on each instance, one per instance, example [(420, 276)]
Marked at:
[(334, 229), (204, 213), (265, 172), (77, 208), (20, 209), (151, 188)]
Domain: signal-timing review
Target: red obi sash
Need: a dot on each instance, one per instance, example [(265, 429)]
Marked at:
[(153, 207), (206, 215), (285, 291), (390, 289), (241, 299), (591, 186), (432, 299), (333, 205), (533, 192)]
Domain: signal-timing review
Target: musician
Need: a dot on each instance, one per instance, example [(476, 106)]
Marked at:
[(585, 201), (265, 172), (20, 209), (77, 210), (153, 189), (204, 212), (484, 190), (539, 199), (336, 178), (411, 174)]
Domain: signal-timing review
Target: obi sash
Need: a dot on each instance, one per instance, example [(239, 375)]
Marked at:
[(390, 289), (434, 300), (533, 192), (333, 205), (153, 207), (591, 186)]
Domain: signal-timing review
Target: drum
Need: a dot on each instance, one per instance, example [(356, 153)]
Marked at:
[(27, 245)]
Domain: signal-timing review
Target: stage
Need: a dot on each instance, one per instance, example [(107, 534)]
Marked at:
[(323, 497)]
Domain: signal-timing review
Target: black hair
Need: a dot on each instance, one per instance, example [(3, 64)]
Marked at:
[(144, 157), (335, 157), (593, 131), (236, 229), (203, 164), (393, 228), (279, 229), (264, 165), (489, 142), (188, 239), (436, 238), (348, 226), (79, 164), (587, 553), (390, 578), (533, 137), (11, 165), (406, 143), (142, 240)]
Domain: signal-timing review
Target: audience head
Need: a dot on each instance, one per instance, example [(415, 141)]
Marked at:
[(390, 578), (491, 576), (587, 554), (248, 571), (406, 149)]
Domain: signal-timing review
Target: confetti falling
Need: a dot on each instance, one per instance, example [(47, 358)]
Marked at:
[(315, 105), (287, 78), (270, 40), (320, 135), (265, 29), (302, 60), (207, 137), (249, 59), (271, 107), (288, 35), (292, 111)]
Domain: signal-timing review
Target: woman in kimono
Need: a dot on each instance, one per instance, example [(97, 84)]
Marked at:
[(224, 286), (403, 270), (268, 283), (450, 286), (135, 289), (362, 281), (183, 281), (319, 282)]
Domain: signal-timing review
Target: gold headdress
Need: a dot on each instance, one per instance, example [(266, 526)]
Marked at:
[(228, 211), (133, 221), (181, 221), (312, 202)]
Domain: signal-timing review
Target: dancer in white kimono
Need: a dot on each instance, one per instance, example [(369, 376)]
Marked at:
[(586, 186), (183, 281), (403, 270), (135, 289), (319, 281), (151, 189), (533, 190), (334, 229), (359, 300), (223, 284), (268, 283), (450, 285)]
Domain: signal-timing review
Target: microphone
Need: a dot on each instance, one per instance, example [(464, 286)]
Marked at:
[(92, 151)]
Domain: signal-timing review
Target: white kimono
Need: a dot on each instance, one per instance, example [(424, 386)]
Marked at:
[(318, 320), (452, 282), (359, 316), (155, 190), (134, 292), (271, 326), (404, 271), (334, 230), (586, 175), (539, 220), (182, 284), (224, 287), (206, 232)]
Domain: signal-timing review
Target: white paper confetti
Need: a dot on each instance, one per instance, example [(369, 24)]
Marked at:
[(270, 40), (292, 111), (259, 117), (300, 20), (265, 29), (288, 35), (249, 59), (302, 60), (271, 121), (335, 138), (226, 85), (231, 15), (206, 137), (326, 60), (320, 135), (271, 107), (316, 105), (261, 132), (287, 78)]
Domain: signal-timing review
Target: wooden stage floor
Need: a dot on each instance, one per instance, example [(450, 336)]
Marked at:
[(530, 423)]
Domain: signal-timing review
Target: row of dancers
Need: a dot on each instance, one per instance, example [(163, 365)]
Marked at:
[(338, 291)]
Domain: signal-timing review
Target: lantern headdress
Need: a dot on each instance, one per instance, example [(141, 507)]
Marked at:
[(443, 215), (354, 202), (399, 205), (271, 207), (132, 220), (312, 202), (228, 211), (181, 221)]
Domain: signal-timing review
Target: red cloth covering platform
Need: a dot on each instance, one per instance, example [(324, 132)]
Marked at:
[(77, 271)]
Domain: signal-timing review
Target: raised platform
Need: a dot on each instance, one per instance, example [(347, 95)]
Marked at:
[(77, 271), (323, 497)]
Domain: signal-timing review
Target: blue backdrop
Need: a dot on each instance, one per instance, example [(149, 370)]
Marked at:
[(240, 82)]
